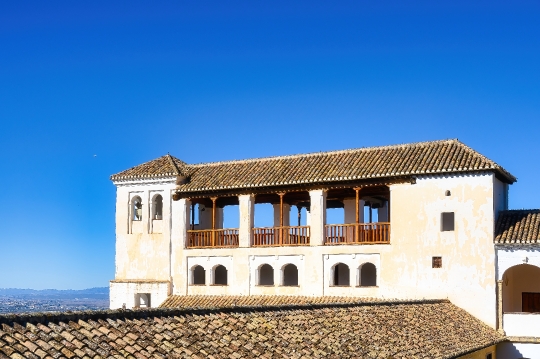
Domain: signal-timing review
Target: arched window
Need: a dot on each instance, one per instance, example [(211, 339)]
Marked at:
[(157, 207), (220, 275), (136, 208), (198, 275), (290, 275), (368, 275), (142, 300), (341, 275), (266, 275)]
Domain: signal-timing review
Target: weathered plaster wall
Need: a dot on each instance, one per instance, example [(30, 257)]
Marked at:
[(142, 247), (467, 276)]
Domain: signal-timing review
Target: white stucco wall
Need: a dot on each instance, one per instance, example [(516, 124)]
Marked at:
[(513, 255), (123, 293), (209, 263), (522, 324)]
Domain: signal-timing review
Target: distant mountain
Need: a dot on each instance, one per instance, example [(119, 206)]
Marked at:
[(96, 293)]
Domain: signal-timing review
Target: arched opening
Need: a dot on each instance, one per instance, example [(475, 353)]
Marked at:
[(142, 300), (368, 275), (220, 275), (157, 207), (341, 275), (266, 275), (290, 275), (521, 289), (199, 275), (136, 208)]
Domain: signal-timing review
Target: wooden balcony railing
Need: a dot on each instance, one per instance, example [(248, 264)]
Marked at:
[(281, 236), (208, 238), (362, 233)]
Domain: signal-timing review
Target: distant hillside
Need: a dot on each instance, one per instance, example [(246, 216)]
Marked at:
[(15, 300), (94, 293)]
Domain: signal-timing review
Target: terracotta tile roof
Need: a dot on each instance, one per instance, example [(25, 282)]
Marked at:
[(430, 329), (234, 301), (518, 227), (164, 166), (447, 156)]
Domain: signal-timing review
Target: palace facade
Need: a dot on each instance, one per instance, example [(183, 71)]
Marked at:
[(421, 221)]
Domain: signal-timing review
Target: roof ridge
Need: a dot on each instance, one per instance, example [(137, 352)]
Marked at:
[(424, 158), (173, 164), (171, 159), (321, 153), (471, 150)]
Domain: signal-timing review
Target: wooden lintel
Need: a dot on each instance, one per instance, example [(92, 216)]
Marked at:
[(363, 184)]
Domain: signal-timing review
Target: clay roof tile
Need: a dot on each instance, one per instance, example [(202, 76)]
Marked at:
[(446, 156)]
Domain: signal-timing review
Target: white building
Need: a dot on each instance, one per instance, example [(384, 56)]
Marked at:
[(418, 222)]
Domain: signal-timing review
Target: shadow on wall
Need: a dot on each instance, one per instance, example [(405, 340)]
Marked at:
[(509, 351)]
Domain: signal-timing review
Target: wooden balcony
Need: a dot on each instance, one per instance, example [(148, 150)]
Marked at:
[(361, 233), (281, 236), (211, 238)]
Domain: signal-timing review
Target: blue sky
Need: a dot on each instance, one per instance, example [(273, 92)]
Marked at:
[(129, 81)]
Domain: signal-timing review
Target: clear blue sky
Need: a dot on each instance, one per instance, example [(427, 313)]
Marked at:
[(129, 81)]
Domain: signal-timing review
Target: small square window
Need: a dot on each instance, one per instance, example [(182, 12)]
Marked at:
[(436, 262), (489, 356), (447, 221)]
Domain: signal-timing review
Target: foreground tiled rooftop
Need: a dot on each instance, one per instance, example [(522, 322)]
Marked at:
[(265, 301), (518, 227), (393, 329), (387, 162)]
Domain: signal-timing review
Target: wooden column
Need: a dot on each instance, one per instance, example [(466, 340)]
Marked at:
[(281, 194), (213, 220), (357, 217)]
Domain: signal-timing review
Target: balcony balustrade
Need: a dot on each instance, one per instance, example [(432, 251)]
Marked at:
[(281, 236), (336, 234), (208, 238), (522, 324), (358, 233)]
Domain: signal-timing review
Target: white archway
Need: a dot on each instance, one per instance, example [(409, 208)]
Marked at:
[(521, 289)]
